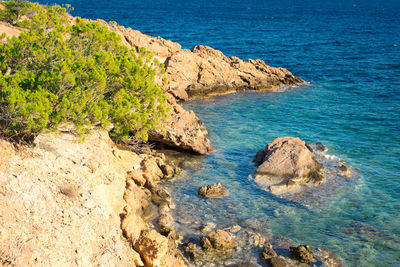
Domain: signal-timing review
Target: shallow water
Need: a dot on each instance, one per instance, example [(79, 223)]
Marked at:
[(350, 53)]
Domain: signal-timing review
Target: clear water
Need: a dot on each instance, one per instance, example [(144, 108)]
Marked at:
[(350, 53)]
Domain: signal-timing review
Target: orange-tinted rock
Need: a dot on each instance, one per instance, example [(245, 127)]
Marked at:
[(222, 239), (206, 71), (213, 191), (157, 250), (182, 130)]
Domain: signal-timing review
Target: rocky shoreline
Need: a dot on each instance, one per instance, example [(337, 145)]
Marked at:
[(95, 203)]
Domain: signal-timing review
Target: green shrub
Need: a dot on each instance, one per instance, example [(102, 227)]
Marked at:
[(55, 72), (13, 10)]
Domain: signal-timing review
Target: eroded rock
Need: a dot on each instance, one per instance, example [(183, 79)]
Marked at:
[(205, 71), (278, 261), (302, 253), (287, 163), (182, 130), (213, 191), (267, 252), (221, 239), (157, 250)]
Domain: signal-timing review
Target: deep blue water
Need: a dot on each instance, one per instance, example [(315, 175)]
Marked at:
[(349, 51)]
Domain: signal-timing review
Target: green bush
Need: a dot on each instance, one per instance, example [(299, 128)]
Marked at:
[(13, 10), (56, 72)]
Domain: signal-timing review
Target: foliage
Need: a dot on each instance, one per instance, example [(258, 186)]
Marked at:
[(56, 72), (13, 10)]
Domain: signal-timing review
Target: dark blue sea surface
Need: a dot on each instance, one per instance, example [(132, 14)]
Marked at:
[(349, 51)]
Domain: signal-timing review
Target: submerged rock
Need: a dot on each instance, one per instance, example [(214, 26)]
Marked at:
[(278, 261), (213, 191), (302, 253)]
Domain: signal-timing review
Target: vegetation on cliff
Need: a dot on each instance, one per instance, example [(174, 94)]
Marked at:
[(71, 70)]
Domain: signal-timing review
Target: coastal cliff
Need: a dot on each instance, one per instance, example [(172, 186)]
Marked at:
[(93, 203), (201, 72)]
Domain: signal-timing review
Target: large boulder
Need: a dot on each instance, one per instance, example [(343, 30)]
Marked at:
[(157, 250), (286, 163)]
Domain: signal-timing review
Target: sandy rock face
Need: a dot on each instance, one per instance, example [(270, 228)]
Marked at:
[(206, 71), (286, 163), (182, 130), (60, 202)]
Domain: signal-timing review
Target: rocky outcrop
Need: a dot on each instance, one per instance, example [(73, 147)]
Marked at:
[(158, 251), (286, 163), (60, 202), (182, 130), (201, 72), (213, 191), (68, 199), (205, 71)]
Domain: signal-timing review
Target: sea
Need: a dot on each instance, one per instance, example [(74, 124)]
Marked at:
[(349, 52)]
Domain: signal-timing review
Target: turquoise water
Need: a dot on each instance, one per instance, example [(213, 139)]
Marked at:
[(349, 51)]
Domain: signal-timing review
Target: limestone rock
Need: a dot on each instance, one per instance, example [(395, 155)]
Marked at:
[(302, 253), (191, 249), (60, 202), (205, 71), (221, 239), (205, 243), (182, 130), (166, 223), (157, 250), (213, 191), (137, 177), (287, 157), (287, 164)]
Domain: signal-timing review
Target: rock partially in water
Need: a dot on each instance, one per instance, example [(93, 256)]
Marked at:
[(182, 130), (267, 252), (205, 243), (213, 191), (318, 147), (287, 157), (166, 223), (221, 239), (157, 250), (278, 261), (205, 71), (288, 163), (302, 253), (300, 172), (191, 250)]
